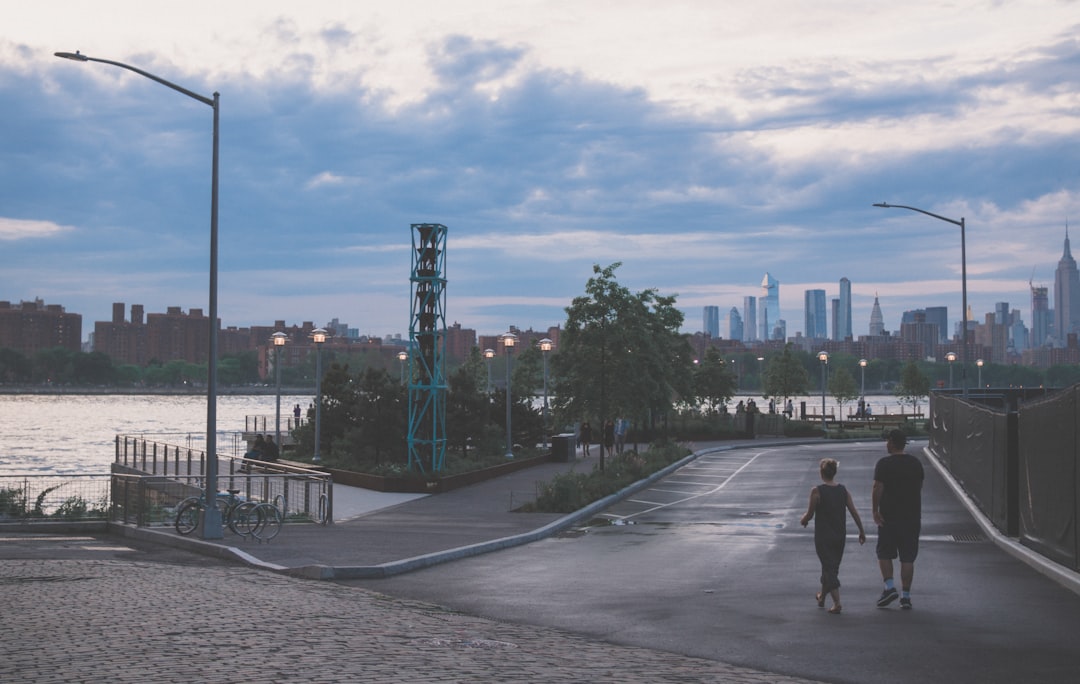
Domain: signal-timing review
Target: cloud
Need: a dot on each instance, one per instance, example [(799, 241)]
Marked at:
[(20, 229)]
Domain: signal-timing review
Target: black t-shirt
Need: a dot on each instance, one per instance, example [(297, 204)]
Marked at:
[(901, 498)]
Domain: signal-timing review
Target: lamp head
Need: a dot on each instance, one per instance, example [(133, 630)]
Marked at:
[(489, 353), (279, 339), (823, 356), (884, 205), (950, 357), (509, 340), (318, 335), (862, 362), (545, 345), (402, 355), (73, 55)]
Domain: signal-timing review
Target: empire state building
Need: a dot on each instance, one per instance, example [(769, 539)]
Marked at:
[(1066, 296)]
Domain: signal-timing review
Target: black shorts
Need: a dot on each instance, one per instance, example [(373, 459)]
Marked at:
[(898, 541)]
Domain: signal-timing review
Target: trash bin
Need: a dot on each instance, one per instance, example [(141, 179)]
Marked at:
[(562, 448)]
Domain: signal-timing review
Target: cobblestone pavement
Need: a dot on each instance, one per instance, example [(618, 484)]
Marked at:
[(123, 621)]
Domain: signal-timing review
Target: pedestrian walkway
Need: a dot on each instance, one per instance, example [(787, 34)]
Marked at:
[(378, 534)]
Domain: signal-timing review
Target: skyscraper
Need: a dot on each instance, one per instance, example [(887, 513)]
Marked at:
[(835, 317), (877, 321), (844, 320), (749, 318), (1066, 296), (815, 315), (734, 324), (939, 315), (711, 321), (1040, 316), (769, 307)]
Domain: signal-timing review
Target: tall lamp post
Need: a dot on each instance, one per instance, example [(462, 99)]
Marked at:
[(489, 354), (963, 283), (509, 340), (950, 357), (279, 339), (211, 523), (318, 336), (823, 357), (545, 347), (979, 364), (862, 385), (402, 356)]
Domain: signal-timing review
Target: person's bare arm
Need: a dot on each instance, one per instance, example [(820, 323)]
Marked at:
[(809, 515), (879, 487), (855, 516)]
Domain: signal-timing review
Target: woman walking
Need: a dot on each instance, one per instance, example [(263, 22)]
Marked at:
[(829, 502)]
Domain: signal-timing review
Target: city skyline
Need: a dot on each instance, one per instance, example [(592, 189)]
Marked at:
[(731, 141)]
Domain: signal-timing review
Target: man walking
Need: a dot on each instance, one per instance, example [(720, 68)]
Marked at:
[(897, 508)]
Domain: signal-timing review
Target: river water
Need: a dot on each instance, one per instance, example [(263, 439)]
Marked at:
[(75, 434)]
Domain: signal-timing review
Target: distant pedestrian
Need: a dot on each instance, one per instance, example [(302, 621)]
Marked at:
[(270, 449), (609, 436), (897, 501), (296, 414), (789, 409), (585, 437), (830, 502), (622, 426), (751, 414)]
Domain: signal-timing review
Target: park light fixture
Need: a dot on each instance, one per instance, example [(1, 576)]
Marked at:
[(211, 523), (963, 283), (823, 357), (950, 357), (509, 339), (279, 338), (318, 336), (402, 356), (545, 348)]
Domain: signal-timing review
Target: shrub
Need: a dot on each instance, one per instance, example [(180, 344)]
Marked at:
[(568, 492)]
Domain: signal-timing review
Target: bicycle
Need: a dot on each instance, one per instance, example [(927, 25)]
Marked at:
[(245, 518)]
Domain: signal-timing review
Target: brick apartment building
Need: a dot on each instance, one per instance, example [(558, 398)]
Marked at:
[(30, 327)]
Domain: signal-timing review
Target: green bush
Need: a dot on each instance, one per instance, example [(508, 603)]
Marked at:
[(568, 492)]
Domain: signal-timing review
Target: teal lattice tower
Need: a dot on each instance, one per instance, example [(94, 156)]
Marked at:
[(427, 348)]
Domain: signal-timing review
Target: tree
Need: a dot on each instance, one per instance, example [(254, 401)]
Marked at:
[(714, 382), (913, 386), (842, 387), (620, 353), (785, 377), (467, 406)]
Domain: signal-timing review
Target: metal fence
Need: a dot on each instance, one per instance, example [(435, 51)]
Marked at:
[(153, 477), (31, 498)]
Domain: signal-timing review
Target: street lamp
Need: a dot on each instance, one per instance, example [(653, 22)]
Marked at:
[(963, 282), (979, 363), (489, 354), (950, 357), (760, 371), (401, 357), (823, 357), (279, 339), (211, 523), (862, 372), (509, 340), (318, 336), (545, 347)]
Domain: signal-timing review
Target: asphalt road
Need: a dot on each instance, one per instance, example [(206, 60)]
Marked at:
[(711, 562)]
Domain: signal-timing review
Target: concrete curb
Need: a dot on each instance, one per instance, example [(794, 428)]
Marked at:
[(1044, 566)]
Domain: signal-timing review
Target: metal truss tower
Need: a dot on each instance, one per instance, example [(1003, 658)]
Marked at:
[(427, 348)]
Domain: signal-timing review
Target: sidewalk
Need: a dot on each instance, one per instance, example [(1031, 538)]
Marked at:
[(379, 535)]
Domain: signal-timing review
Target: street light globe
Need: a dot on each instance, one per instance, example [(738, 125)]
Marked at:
[(950, 357), (979, 363), (318, 335), (402, 355), (823, 356), (509, 340), (489, 353), (863, 362), (279, 339), (545, 345)]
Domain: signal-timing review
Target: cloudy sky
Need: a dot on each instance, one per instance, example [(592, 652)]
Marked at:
[(700, 143)]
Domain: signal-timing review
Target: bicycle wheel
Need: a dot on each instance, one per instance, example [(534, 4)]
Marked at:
[(269, 522), (245, 518), (187, 515)]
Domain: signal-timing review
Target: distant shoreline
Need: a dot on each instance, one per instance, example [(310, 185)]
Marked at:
[(152, 391)]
